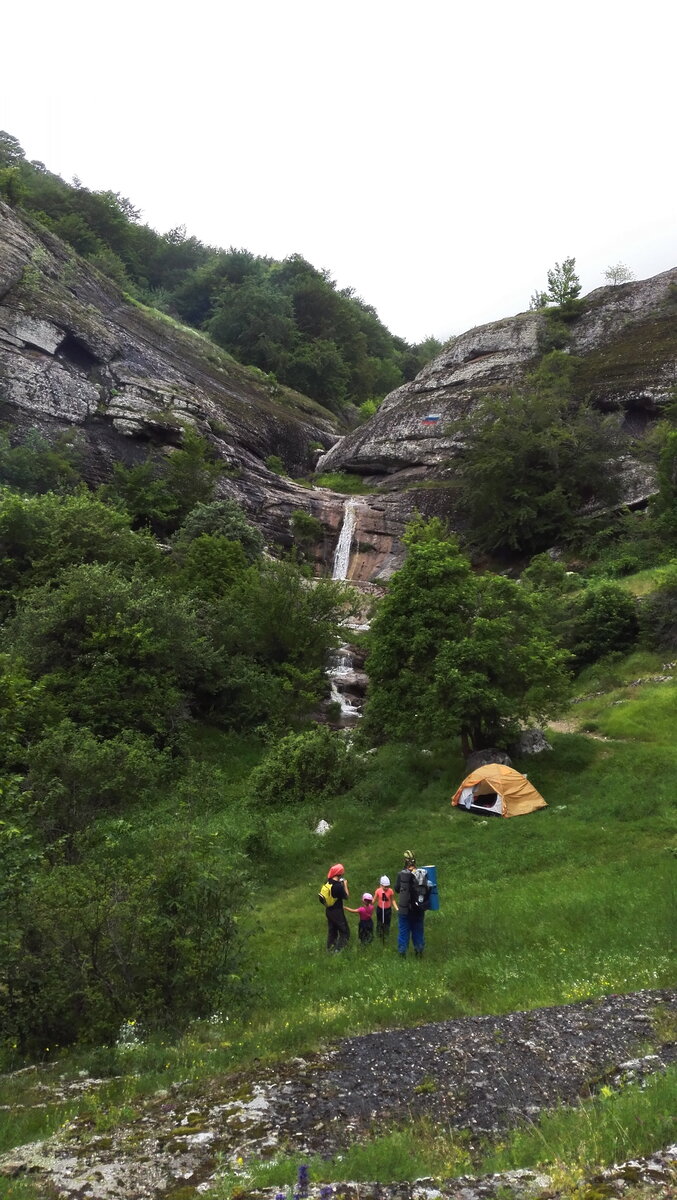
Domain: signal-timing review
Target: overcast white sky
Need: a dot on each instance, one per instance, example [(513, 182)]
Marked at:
[(436, 156)]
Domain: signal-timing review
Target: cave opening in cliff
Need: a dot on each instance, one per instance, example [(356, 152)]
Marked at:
[(77, 354)]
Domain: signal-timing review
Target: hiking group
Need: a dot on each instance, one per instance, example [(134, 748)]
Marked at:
[(413, 889)]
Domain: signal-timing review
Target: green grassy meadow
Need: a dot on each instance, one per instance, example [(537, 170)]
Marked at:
[(568, 903)]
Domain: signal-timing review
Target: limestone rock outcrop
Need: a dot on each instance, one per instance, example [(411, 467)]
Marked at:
[(74, 351), (625, 335)]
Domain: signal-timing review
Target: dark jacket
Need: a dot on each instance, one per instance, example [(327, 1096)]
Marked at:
[(402, 886), (340, 894)]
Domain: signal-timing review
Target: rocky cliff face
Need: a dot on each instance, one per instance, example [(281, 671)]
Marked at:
[(75, 352), (626, 337)]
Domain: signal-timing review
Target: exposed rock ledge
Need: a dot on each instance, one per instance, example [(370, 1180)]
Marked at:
[(479, 1074), (626, 336)]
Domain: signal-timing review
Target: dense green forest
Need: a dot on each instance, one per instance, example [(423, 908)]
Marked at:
[(287, 318)]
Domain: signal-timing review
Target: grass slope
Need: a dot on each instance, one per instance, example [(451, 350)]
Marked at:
[(566, 903)]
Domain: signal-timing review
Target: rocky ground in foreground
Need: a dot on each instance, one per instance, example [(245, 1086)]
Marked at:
[(479, 1074)]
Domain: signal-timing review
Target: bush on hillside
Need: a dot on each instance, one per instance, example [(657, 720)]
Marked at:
[(75, 776), (42, 535), (143, 929), (306, 529), (36, 465), (658, 613), (220, 518), (302, 767), (604, 621), (113, 652)]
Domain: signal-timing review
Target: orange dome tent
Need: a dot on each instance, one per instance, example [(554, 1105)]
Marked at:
[(498, 790)]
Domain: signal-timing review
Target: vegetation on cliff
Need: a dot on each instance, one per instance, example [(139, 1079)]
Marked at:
[(287, 318)]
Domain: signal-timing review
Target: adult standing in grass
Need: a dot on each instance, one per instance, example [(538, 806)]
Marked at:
[(338, 931), (409, 917)]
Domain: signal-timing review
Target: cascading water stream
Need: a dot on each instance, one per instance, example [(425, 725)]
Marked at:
[(341, 668), (345, 541)]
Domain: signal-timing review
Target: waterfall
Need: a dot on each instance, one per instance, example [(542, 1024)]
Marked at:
[(341, 668), (345, 541)]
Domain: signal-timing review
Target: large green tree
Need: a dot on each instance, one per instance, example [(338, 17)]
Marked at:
[(533, 462), (456, 654)]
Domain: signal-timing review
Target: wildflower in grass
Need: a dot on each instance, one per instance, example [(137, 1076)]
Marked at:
[(302, 1182), (280, 1196), (326, 1192)]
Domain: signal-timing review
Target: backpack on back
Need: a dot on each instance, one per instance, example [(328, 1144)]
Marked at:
[(420, 888), (325, 894)]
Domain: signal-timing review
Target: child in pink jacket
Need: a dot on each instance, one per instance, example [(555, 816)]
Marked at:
[(365, 931)]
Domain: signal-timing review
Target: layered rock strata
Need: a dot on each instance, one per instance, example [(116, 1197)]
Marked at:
[(626, 337)]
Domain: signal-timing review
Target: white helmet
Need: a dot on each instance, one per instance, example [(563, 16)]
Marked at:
[(384, 881), (367, 896)]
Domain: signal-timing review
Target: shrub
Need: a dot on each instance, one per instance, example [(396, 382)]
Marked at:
[(304, 766), (147, 933), (274, 463), (75, 776), (221, 518), (658, 613), (114, 653), (42, 535), (605, 620), (36, 465), (306, 529)]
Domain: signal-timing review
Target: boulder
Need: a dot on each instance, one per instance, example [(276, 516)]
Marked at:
[(530, 741), (480, 758)]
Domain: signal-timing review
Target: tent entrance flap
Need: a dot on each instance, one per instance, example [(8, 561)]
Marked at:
[(481, 799)]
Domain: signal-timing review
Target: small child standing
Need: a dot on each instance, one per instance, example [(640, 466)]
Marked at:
[(365, 929), (384, 902)]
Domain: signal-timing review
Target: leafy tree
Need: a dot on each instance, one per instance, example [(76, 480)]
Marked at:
[(42, 535), (618, 273), (11, 152), (221, 518), (191, 473), (12, 189), (531, 463), (665, 503), (115, 653), (456, 654), (274, 633), (210, 565), (563, 283), (142, 491)]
